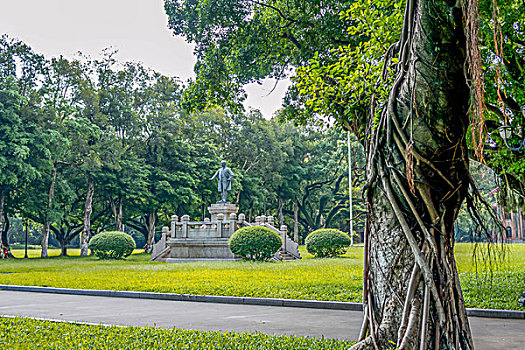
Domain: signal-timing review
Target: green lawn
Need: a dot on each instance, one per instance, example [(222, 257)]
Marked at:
[(321, 279), (23, 333), (52, 252)]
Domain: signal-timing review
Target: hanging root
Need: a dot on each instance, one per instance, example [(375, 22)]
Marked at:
[(475, 76), (382, 335), (410, 339), (413, 284)]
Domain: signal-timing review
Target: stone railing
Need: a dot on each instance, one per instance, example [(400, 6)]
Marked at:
[(212, 235), (289, 246), (205, 229)]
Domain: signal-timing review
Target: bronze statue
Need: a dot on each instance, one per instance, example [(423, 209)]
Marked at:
[(225, 181)]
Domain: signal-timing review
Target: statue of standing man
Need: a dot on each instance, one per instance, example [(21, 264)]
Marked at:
[(225, 181)]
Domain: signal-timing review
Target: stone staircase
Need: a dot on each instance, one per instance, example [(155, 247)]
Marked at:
[(289, 250), (286, 256)]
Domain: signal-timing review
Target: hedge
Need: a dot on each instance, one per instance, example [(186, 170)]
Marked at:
[(327, 243), (112, 245), (255, 243)]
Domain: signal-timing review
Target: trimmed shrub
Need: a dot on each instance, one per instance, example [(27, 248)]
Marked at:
[(327, 243), (112, 245), (255, 243)]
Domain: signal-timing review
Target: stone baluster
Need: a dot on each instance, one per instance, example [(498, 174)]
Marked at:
[(284, 232), (263, 220), (165, 232), (241, 219), (233, 221), (220, 219), (174, 220), (270, 220), (185, 222)]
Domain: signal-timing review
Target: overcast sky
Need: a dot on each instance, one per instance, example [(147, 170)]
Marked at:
[(137, 28)]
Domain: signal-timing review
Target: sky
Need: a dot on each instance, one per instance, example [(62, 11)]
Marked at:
[(136, 28)]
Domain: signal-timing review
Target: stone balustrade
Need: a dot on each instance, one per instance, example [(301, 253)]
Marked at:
[(208, 239)]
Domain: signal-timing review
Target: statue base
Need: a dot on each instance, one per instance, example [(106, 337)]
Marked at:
[(222, 208)]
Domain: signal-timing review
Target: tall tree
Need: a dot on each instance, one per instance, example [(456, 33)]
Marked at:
[(20, 77), (13, 147), (417, 166), (64, 126), (417, 180)]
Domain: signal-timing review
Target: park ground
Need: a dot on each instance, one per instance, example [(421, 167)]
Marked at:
[(493, 280), (271, 327)]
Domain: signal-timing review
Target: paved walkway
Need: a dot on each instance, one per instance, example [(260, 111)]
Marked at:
[(488, 333)]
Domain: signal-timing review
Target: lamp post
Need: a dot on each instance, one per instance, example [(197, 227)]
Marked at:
[(25, 251), (351, 218), (509, 137), (506, 132)]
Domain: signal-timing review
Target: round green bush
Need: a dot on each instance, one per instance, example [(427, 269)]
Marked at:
[(112, 245), (327, 243), (255, 243)]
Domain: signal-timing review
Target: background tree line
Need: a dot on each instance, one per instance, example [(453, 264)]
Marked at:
[(90, 145)]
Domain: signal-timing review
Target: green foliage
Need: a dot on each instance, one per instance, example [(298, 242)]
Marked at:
[(122, 128), (342, 87), (504, 77), (327, 243), (255, 243), (112, 245), (338, 279), (22, 333), (342, 53), (239, 42)]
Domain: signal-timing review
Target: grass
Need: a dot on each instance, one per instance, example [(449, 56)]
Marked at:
[(34, 252), (492, 287), (312, 279), (24, 333)]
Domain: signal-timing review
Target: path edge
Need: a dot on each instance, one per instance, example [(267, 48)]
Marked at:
[(313, 304)]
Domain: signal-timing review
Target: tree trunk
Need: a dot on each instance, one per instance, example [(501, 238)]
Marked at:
[(238, 197), (45, 239), (5, 231), (117, 213), (295, 222), (417, 170), (88, 209), (151, 231), (280, 211), (120, 228), (63, 248), (47, 224)]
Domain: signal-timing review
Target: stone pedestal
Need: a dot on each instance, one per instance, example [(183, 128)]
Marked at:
[(222, 208), (203, 248), (199, 240)]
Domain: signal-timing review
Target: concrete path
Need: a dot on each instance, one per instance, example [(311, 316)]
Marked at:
[(488, 333)]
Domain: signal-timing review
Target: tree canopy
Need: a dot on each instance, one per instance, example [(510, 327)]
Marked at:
[(94, 145), (334, 53)]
